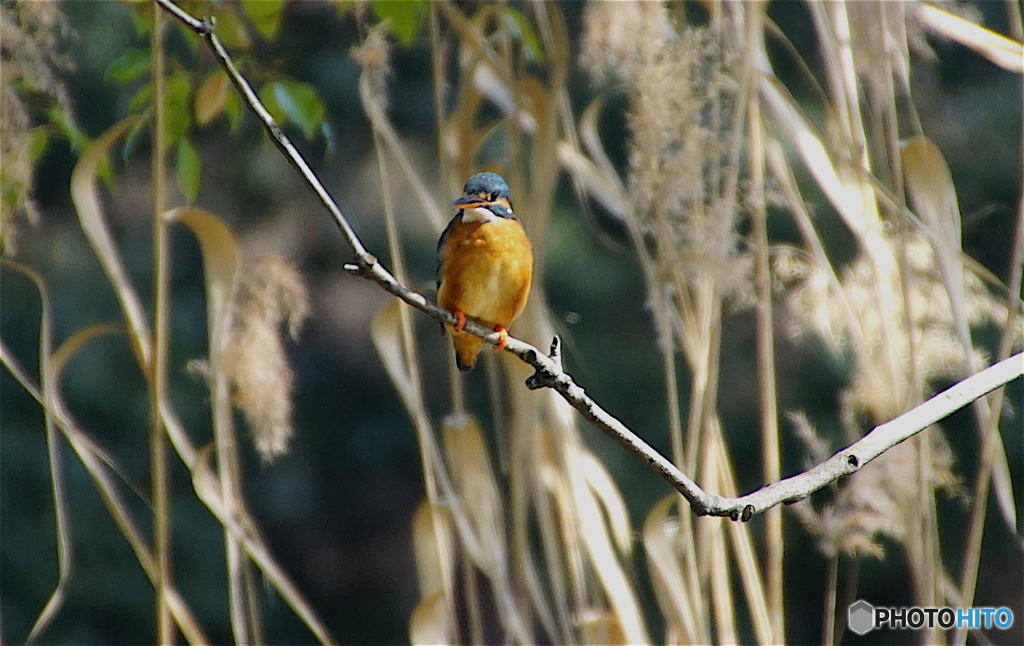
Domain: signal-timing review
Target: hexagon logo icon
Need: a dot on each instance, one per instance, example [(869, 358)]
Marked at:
[(860, 617)]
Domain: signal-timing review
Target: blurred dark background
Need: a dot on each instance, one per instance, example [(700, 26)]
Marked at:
[(337, 509)]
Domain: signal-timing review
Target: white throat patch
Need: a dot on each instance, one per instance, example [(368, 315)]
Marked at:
[(479, 214)]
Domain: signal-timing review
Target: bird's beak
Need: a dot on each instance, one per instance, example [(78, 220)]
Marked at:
[(469, 202)]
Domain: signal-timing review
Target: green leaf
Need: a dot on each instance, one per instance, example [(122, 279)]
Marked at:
[(67, 127), (130, 66), (302, 104), (142, 17), (177, 91), (294, 102), (522, 30), (268, 97), (10, 197), (135, 134), (232, 31), (141, 99), (404, 17), (39, 139), (189, 167), (265, 15), (233, 110)]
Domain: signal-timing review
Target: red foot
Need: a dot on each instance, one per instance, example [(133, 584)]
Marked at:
[(502, 337), (460, 321)]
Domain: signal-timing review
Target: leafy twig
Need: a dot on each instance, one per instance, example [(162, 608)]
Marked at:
[(550, 373)]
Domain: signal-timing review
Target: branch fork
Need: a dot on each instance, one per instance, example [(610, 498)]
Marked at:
[(547, 377)]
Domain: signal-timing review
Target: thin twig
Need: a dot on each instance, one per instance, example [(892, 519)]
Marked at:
[(550, 374)]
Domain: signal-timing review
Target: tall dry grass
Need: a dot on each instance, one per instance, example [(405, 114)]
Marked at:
[(715, 139), (532, 541), (247, 302)]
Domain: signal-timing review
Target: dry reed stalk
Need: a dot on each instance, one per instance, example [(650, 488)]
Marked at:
[(157, 377), (685, 208), (437, 614), (915, 278)]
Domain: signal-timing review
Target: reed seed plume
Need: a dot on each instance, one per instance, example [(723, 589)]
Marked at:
[(374, 56), (685, 147), (270, 294), (681, 162), (880, 502), (30, 35), (873, 503), (852, 319), (618, 35)]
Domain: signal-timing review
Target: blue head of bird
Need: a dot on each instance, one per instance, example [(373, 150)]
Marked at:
[(487, 191)]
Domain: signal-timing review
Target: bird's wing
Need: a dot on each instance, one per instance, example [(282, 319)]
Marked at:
[(440, 247)]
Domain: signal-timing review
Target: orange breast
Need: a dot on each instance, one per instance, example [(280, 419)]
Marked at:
[(486, 269)]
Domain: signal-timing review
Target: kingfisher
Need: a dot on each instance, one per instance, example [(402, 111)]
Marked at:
[(484, 265)]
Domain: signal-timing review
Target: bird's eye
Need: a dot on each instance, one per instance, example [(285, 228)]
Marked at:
[(494, 196)]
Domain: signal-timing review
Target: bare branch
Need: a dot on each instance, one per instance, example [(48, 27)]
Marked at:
[(550, 374), (878, 441)]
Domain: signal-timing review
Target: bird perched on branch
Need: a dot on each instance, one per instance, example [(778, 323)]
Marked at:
[(484, 265)]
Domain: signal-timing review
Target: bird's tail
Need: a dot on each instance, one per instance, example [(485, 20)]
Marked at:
[(467, 348)]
